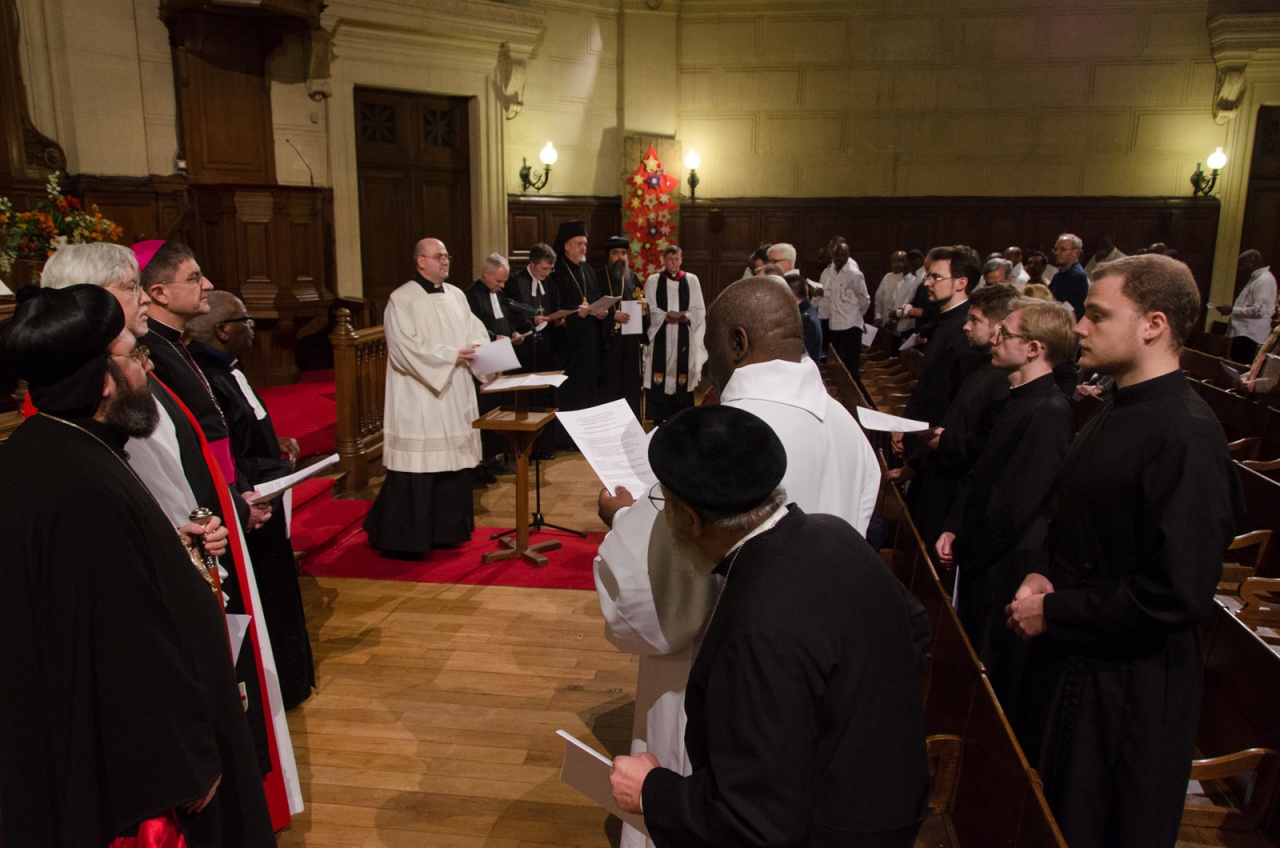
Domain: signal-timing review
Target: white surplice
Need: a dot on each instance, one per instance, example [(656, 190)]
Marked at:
[(697, 331)]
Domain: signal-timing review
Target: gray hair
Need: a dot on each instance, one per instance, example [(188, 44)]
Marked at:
[(494, 261), (541, 252), (993, 264), (739, 522), (782, 250), (95, 263), (1073, 239), (222, 305)]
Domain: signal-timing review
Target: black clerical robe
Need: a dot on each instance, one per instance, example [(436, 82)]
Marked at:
[(478, 298), (121, 699), (948, 359), (805, 723), (620, 371), (1147, 502), (256, 449), (1000, 516), (579, 355), (177, 370), (966, 424)]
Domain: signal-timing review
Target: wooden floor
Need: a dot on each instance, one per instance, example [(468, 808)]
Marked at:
[(434, 722)]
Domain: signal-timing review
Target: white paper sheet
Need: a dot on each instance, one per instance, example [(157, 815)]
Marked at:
[(869, 335), (494, 357), (635, 326), (588, 772), (604, 302), (517, 381), (274, 487), (873, 419), (614, 444), (909, 343)]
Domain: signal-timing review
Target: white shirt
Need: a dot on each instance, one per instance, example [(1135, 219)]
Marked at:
[(906, 293), (657, 607), (1094, 261), (1254, 306), (887, 298), (1020, 277), (846, 289)]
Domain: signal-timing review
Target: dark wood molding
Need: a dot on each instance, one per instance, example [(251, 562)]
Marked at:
[(534, 218)]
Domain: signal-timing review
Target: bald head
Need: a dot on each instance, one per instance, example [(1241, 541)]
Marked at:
[(753, 320), (432, 259)]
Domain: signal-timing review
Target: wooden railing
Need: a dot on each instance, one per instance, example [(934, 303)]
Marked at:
[(359, 374)]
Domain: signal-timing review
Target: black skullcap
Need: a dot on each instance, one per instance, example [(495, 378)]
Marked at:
[(568, 230), (615, 242), (58, 342), (718, 458)]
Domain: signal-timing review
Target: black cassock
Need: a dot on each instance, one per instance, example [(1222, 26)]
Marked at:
[(577, 345), (1147, 500), (1000, 516), (805, 723), (256, 449), (966, 424), (948, 359), (620, 376), (120, 698)]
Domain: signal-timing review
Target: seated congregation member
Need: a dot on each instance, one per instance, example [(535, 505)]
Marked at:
[(654, 604), (676, 352), (808, 317), (129, 722), (176, 465), (218, 339), (1147, 499), (950, 450), (999, 518), (805, 722)]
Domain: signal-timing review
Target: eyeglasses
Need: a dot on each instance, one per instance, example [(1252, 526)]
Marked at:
[(1001, 334), (194, 277), (657, 500), (133, 288), (439, 257), (934, 278), (247, 320), (139, 354)]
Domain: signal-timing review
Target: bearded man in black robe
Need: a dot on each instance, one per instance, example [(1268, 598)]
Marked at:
[(127, 716), (1147, 500), (620, 369), (577, 344), (805, 723)]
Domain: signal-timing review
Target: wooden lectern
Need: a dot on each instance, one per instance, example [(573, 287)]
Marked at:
[(520, 426)]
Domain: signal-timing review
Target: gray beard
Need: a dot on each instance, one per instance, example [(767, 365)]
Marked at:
[(132, 412)]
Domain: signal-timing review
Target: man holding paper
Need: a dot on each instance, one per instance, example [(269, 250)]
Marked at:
[(805, 723), (620, 371), (429, 446)]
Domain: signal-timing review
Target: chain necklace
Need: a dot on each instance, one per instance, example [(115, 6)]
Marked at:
[(182, 351), (196, 558), (582, 289)]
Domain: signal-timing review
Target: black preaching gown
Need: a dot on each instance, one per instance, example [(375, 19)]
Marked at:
[(805, 724), (256, 449), (1147, 503), (120, 698), (1000, 517)]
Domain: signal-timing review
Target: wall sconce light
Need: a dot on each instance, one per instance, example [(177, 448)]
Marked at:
[(692, 161), (1200, 184), (548, 156)]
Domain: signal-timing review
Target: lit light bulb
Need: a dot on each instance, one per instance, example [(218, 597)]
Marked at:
[(693, 160), (1217, 159), (548, 155)]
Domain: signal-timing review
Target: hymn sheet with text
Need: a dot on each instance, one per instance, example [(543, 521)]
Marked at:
[(613, 442)]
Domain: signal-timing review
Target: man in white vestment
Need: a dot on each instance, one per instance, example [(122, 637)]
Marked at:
[(887, 291), (429, 446), (655, 605)]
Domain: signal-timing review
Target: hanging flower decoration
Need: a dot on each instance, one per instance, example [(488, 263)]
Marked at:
[(57, 220), (650, 214)]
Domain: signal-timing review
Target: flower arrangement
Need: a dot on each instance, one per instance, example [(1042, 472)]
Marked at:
[(56, 220)]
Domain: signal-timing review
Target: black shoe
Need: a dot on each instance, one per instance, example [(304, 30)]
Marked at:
[(545, 456), (503, 468)]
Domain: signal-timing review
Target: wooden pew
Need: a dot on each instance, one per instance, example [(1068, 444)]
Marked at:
[(359, 369), (1262, 512)]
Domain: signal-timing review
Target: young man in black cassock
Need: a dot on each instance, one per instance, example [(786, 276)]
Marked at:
[(218, 340), (937, 469), (125, 712), (805, 723), (948, 357), (999, 518), (1147, 500)]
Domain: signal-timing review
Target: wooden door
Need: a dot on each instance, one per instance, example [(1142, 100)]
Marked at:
[(413, 166)]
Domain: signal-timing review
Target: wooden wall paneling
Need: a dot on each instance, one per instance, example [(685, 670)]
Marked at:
[(533, 219), (384, 201)]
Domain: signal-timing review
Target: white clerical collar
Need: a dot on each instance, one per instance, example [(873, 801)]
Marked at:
[(763, 527), (537, 286), (955, 305), (797, 384), (497, 307)]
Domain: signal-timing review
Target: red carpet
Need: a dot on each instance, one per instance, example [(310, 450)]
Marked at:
[(569, 567), (306, 411)]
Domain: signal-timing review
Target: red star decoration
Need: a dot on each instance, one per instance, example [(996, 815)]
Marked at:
[(649, 208)]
